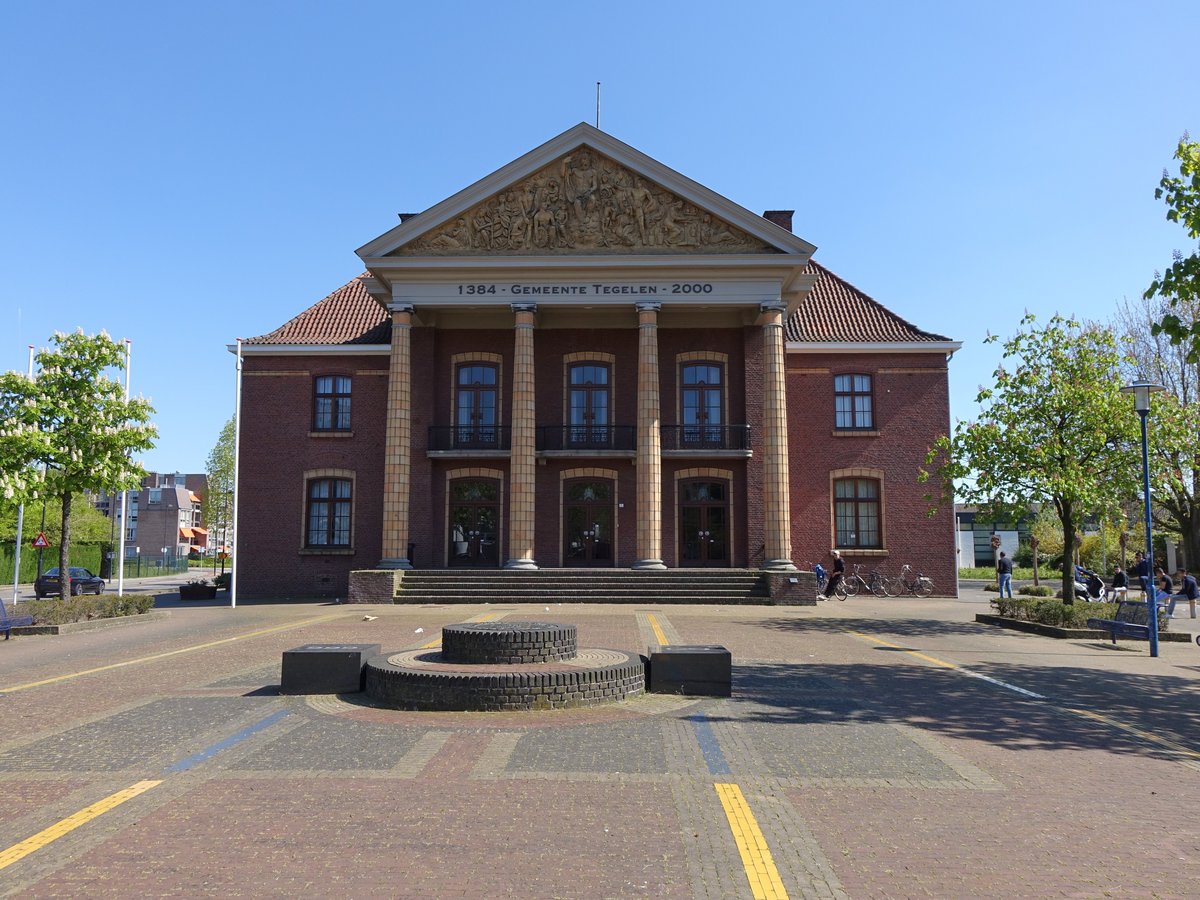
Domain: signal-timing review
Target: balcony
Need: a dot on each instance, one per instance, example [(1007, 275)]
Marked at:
[(706, 438), (467, 438), (569, 438)]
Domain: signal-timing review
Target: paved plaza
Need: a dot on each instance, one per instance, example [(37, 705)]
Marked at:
[(871, 748)]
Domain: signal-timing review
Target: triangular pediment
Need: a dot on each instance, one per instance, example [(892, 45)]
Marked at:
[(585, 193), (584, 202)]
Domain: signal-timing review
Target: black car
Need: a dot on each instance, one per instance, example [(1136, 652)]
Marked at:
[(82, 582)]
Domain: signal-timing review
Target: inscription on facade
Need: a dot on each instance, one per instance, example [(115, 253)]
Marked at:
[(584, 202)]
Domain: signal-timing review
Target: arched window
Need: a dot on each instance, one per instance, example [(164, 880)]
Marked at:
[(327, 515), (476, 405), (588, 404), (856, 513), (702, 400)]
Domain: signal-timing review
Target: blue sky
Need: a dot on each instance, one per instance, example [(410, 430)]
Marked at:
[(184, 174)]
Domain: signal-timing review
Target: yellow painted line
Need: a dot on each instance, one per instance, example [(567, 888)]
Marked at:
[(169, 653), (1144, 735), (658, 632), (70, 823), (1084, 713), (765, 883), (437, 641)]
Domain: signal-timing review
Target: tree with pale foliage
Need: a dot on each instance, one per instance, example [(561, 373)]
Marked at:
[(1054, 429), (1179, 285), (217, 502), (70, 429), (1175, 440)]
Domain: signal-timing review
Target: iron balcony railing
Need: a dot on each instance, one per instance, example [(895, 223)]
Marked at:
[(706, 437), (587, 437), (470, 437)]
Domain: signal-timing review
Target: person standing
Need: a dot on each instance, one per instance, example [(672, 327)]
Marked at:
[(1004, 574), (839, 572)]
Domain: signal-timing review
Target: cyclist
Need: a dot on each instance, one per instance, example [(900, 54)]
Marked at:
[(839, 572)]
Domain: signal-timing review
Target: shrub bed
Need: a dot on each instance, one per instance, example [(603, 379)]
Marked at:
[(1052, 611), (1036, 590), (83, 609)]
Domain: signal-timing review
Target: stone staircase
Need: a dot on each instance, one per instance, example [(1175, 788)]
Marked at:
[(704, 586)]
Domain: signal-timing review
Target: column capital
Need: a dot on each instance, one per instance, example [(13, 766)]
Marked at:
[(769, 306), (647, 306), (523, 307), (400, 306)]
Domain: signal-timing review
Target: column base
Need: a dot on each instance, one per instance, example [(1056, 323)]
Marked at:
[(520, 564), (648, 564), (779, 565), (395, 563)]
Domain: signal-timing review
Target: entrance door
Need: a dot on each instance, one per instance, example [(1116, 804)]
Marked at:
[(588, 523), (474, 523), (704, 523)]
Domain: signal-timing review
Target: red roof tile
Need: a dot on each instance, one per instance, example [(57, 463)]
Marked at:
[(837, 311), (834, 311), (347, 316)]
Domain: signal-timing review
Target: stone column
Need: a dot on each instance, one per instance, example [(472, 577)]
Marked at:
[(777, 520), (397, 448), (649, 442), (522, 480)]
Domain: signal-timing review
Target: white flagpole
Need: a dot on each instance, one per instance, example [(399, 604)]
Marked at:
[(124, 494), (20, 518), (237, 443)]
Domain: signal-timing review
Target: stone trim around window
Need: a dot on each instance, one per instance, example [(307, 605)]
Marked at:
[(872, 474), (314, 475)]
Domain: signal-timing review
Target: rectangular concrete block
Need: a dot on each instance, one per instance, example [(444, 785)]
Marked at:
[(697, 671), (325, 668)]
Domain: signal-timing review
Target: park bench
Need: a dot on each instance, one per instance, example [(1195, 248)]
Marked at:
[(8, 623), (1131, 620)]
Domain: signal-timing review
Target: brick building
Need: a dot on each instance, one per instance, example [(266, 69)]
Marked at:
[(587, 359)]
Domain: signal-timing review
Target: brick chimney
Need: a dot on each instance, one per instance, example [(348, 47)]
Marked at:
[(781, 217)]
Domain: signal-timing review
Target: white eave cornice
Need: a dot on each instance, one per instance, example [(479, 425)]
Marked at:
[(620, 152), (948, 347), (312, 349)]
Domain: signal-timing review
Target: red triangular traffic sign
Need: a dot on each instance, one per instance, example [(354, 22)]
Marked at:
[(40, 542)]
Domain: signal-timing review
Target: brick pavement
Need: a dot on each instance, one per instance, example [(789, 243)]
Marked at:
[(869, 764)]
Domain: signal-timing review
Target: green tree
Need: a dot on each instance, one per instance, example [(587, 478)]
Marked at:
[(1174, 445), (1053, 429), (217, 502), (88, 524), (1180, 283), (71, 429)]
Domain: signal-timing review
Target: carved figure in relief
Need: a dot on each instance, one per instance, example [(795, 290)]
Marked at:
[(714, 232), (643, 204), (580, 181), (455, 237)]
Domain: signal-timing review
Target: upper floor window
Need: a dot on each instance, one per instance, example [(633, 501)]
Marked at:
[(331, 403), (589, 404), (476, 415), (328, 512), (703, 399), (856, 512), (852, 402)]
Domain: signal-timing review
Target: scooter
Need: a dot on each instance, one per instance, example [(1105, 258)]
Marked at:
[(1088, 585)]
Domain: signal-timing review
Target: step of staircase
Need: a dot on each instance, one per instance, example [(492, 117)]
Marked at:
[(723, 587)]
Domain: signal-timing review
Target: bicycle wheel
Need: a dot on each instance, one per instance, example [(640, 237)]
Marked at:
[(878, 586), (923, 587), (840, 591), (894, 586), (850, 586)]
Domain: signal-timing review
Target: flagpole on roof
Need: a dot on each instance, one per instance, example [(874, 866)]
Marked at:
[(124, 494), (237, 441)]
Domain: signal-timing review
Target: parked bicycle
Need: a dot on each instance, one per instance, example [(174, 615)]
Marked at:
[(877, 583), (911, 582)]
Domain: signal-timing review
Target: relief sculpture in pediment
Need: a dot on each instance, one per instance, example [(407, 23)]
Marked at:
[(584, 202)]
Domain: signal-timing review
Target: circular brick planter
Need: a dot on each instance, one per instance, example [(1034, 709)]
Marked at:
[(510, 643), (504, 666)]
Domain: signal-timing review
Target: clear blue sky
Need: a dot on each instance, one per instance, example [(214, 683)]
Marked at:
[(184, 174)]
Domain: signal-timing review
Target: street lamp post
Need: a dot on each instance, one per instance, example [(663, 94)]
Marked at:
[(1141, 391)]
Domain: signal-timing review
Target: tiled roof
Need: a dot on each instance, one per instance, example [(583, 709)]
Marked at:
[(834, 311), (347, 316), (837, 311)]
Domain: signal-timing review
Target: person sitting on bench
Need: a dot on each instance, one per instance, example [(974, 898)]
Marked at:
[(1188, 590), (1120, 585)]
